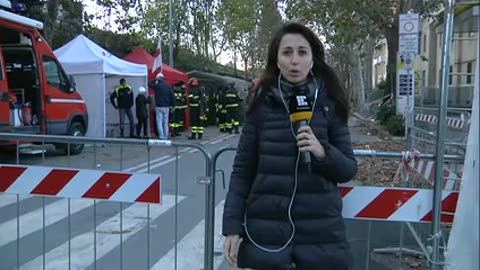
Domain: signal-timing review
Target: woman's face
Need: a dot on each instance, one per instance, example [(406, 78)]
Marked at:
[(294, 57)]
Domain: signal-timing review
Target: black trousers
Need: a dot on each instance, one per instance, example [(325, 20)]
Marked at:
[(179, 118), (233, 118), (142, 123), (195, 121)]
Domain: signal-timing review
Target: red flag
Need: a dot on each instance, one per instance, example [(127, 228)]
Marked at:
[(157, 63)]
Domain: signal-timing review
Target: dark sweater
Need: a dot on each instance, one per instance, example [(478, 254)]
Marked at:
[(141, 103), (164, 96)]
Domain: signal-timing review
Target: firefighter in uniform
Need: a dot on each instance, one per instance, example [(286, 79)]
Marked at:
[(178, 114), (232, 104), (195, 98), (122, 100), (203, 107), (221, 109)]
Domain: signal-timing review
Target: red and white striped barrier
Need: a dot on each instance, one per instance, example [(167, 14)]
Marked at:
[(395, 204), (426, 169), (72, 183), (456, 123), (426, 118), (452, 122)]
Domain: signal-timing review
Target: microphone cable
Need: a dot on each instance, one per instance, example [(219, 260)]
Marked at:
[(295, 179)]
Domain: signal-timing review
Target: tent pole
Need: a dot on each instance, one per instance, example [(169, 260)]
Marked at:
[(104, 108)]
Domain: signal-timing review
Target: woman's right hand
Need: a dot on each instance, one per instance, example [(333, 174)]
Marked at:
[(231, 245)]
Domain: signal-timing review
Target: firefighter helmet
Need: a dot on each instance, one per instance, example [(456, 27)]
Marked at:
[(193, 82)]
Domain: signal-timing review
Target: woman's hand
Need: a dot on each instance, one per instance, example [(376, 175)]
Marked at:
[(307, 142), (231, 245)]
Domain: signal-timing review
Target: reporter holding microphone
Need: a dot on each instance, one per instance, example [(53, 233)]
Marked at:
[(283, 209)]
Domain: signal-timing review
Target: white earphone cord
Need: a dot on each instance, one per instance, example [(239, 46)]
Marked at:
[(295, 179)]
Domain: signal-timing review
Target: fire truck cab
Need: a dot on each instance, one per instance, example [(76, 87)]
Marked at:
[(36, 96)]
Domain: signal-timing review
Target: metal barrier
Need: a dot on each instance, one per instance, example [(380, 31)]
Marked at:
[(209, 179), (97, 151), (371, 220)]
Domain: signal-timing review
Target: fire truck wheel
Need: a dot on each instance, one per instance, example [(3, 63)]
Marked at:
[(76, 129)]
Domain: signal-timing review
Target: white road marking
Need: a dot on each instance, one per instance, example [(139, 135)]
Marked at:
[(108, 237), (8, 199), (154, 166), (32, 221), (191, 248), (146, 163), (226, 137)]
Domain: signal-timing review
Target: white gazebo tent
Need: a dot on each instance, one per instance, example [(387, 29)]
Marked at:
[(97, 72)]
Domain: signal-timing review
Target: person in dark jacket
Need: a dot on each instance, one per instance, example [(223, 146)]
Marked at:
[(122, 100), (277, 214), (221, 110), (164, 100), (178, 115), (141, 106), (232, 104), (197, 101)]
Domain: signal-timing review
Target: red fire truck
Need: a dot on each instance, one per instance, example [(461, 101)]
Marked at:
[(36, 96)]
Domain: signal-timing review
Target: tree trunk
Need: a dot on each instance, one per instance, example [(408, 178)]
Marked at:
[(176, 43), (391, 34), (369, 66), (235, 61)]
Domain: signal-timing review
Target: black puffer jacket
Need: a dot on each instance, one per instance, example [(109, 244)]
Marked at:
[(262, 182)]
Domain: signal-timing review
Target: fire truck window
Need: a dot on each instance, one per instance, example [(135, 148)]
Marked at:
[(54, 73)]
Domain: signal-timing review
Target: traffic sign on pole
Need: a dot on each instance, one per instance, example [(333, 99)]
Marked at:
[(408, 23)]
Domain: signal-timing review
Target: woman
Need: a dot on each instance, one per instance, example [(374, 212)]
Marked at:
[(277, 215)]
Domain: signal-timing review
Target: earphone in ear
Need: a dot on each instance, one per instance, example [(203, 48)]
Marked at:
[(311, 65)]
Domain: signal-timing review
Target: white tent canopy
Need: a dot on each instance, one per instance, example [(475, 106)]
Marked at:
[(96, 73)]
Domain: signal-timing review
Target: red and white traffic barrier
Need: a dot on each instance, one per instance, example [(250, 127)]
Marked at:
[(395, 204), (411, 161), (451, 122), (74, 183), (456, 123)]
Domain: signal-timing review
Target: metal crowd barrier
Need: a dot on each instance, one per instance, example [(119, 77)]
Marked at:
[(387, 192), (98, 149), (208, 178)]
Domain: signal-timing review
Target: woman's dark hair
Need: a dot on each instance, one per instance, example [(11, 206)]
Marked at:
[(335, 87)]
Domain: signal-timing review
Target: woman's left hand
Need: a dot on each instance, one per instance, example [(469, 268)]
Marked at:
[(307, 142)]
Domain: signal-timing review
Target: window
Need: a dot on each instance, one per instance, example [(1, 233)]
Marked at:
[(424, 43), (459, 77), (55, 75), (469, 71), (424, 78), (450, 76)]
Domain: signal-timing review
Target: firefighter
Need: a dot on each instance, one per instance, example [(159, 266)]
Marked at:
[(122, 100), (221, 109), (203, 107), (232, 104), (195, 98), (178, 112)]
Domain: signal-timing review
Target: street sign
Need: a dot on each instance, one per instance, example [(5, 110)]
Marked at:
[(408, 44), (408, 23), (408, 60)]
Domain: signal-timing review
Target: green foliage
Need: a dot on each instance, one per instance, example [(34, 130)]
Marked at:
[(395, 125), (376, 94), (384, 113), (59, 27), (392, 122), (117, 44)]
